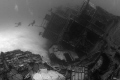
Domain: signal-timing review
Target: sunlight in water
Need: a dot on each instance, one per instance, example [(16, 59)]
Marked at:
[(23, 38)]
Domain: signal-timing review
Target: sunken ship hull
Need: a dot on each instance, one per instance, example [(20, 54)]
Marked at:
[(85, 30)]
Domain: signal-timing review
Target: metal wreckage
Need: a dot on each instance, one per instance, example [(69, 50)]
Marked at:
[(84, 45)]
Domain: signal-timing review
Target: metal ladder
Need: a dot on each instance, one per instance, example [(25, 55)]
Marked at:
[(79, 73)]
